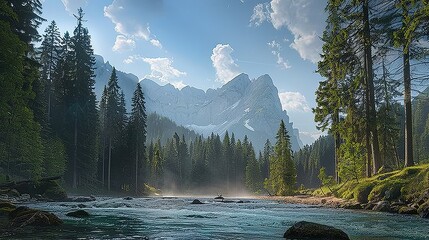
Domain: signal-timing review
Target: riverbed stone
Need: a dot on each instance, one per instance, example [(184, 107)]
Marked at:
[(196, 201), (78, 214), (24, 216), (310, 230)]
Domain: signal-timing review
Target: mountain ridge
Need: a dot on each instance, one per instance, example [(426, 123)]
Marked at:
[(241, 106)]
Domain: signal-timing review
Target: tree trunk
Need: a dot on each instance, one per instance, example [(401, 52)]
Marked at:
[(75, 153), (109, 164), (104, 160), (409, 161), (337, 142), (137, 166), (370, 88)]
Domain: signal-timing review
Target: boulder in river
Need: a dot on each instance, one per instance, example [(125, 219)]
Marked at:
[(310, 230), (78, 214), (196, 201), (24, 216)]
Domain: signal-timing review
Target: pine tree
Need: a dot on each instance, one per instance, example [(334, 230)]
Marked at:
[(282, 168), (137, 125), (114, 121)]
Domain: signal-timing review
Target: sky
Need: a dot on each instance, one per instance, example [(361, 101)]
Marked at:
[(205, 43)]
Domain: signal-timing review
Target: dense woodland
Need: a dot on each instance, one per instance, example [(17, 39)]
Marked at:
[(53, 125), (374, 56)]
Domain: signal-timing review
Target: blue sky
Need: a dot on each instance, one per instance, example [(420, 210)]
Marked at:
[(205, 43)]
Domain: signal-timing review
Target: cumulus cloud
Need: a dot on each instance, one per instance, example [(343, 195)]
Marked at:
[(305, 19), (294, 101), (123, 43), (276, 52), (71, 6), (224, 64), (162, 69), (126, 15)]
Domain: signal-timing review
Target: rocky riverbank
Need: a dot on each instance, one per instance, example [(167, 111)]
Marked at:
[(404, 191)]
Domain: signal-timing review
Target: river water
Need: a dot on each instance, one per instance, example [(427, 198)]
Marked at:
[(176, 218)]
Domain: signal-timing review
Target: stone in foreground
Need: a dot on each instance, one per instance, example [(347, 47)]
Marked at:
[(309, 230)]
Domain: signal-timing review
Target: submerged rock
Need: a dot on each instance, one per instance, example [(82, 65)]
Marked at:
[(196, 201), (24, 216), (310, 230), (78, 214), (128, 198)]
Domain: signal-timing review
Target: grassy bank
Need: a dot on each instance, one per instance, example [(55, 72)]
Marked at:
[(409, 187)]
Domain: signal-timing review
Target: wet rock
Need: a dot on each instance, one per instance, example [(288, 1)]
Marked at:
[(83, 199), (24, 216), (53, 191), (13, 193), (6, 208), (80, 205), (240, 201), (310, 230), (382, 206), (128, 198), (407, 210), (196, 201), (78, 214)]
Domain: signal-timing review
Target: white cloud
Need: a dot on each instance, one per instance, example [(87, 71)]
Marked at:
[(261, 13), (126, 15), (156, 43), (305, 19), (123, 43), (224, 64), (276, 52), (71, 6), (294, 101), (162, 69)]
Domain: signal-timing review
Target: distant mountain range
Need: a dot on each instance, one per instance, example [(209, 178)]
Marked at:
[(241, 106)]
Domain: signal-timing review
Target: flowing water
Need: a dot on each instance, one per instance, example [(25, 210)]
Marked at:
[(176, 218)]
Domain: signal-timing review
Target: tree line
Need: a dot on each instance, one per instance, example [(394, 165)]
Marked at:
[(371, 51)]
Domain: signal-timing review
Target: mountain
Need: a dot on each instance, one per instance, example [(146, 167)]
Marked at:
[(241, 106)]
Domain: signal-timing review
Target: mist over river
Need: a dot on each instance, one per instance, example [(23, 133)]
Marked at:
[(177, 218)]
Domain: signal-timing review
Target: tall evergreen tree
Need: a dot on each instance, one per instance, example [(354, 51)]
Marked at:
[(282, 168), (137, 125)]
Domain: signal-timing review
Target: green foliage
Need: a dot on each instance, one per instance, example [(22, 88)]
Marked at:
[(20, 140), (253, 175), (54, 157), (326, 180), (282, 178)]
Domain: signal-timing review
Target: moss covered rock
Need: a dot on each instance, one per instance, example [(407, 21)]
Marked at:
[(407, 210)]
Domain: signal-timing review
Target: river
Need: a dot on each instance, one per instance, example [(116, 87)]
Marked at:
[(176, 218)]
